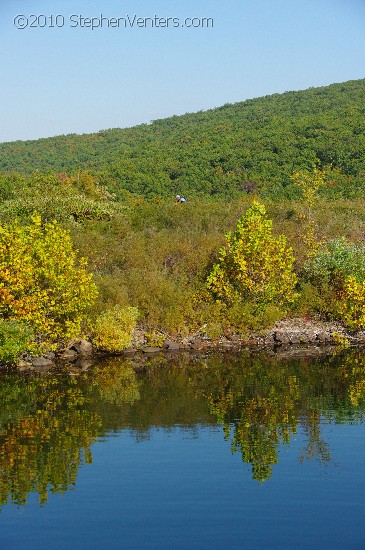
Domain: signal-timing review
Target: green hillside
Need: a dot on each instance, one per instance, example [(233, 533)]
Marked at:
[(240, 148)]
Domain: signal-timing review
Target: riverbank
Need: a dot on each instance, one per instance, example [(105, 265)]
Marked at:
[(287, 338)]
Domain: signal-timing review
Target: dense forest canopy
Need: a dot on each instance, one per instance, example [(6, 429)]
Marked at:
[(237, 149)]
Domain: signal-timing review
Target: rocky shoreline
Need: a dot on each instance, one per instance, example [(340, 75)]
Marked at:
[(287, 338)]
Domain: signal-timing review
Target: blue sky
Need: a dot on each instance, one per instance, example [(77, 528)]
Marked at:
[(72, 79)]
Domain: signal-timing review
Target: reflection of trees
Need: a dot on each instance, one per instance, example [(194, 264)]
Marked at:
[(261, 402), (47, 424), (316, 446), (116, 383), (42, 449), (257, 400)]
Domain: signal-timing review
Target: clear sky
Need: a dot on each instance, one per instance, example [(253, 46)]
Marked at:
[(59, 76)]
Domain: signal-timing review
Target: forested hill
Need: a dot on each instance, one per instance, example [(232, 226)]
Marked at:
[(252, 146)]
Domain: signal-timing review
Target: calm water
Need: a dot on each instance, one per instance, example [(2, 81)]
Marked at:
[(224, 451)]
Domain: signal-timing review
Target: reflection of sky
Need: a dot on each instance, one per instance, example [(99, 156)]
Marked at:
[(176, 491)]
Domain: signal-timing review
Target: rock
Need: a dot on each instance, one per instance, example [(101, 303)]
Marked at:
[(24, 365), (50, 355), (281, 337), (295, 338), (251, 342), (197, 345), (83, 346), (129, 351), (234, 338), (42, 370), (41, 362), (151, 349), (184, 346), (171, 346), (323, 337), (68, 355)]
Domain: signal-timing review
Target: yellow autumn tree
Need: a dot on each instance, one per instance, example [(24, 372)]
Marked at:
[(254, 264), (309, 184), (42, 282)]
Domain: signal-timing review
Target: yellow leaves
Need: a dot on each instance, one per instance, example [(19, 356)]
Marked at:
[(254, 264), (309, 184), (352, 304), (36, 219), (113, 329), (41, 280)]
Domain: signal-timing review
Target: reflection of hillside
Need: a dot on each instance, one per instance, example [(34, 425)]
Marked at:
[(47, 424)]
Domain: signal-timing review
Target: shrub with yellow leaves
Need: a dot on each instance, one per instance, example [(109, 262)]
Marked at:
[(352, 304), (254, 265), (42, 282), (113, 329)]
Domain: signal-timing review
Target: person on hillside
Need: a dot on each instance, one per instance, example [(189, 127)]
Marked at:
[(179, 198)]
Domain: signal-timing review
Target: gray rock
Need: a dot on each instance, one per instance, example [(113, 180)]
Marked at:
[(68, 355), (151, 349), (323, 337), (42, 362), (196, 345), (84, 347), (234, 337), (172, 346), (43, 370), (281, 337)]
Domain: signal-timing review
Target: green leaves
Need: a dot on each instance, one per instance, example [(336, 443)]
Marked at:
[(15, 339)]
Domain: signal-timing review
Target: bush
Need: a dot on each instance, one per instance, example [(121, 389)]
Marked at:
[(113, 329), (254, 265), (338, 260), (15, 339), (42, 284), (352, 305), (320, 300)]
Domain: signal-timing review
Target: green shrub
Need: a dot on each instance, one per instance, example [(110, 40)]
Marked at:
[(113, 329), (15, 339), (243, 317), (336, 261), (318, 300)]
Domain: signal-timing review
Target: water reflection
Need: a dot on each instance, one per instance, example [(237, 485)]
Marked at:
[(48, 423)]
